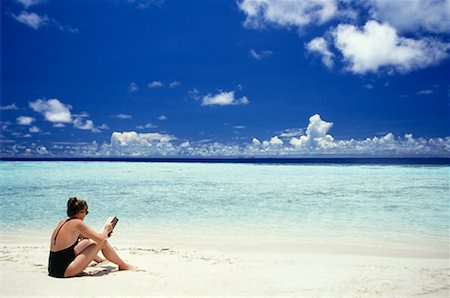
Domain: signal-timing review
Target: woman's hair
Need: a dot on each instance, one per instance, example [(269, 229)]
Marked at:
[(74, 206)]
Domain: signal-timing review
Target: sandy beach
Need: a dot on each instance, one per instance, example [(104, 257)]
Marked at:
[(194, 269)]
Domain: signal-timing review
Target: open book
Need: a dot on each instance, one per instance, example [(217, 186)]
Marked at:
[(113, 221)]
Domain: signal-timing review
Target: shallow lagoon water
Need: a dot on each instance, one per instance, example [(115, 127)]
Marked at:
[(394, 205)]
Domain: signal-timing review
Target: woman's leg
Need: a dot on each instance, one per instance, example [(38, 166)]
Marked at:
[(83, 259), (111, 255), (82, 245)]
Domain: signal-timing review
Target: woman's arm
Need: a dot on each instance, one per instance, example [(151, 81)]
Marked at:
[(87, 232)]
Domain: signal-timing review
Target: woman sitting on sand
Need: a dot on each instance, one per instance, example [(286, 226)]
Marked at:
[(69, 255)]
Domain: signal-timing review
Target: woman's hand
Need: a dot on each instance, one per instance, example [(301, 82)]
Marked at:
[(108, 227), (106, 230)]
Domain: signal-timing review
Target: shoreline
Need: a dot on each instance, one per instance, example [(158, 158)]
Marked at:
[(251, 245)]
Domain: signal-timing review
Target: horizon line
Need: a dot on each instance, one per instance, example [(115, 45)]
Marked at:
[(264, 160)]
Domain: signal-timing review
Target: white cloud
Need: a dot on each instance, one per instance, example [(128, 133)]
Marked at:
[(41, 150), (133, 87), (59, 125), (185, 144), (34, 129), (128, 138), (155, 84), (223, 99), (31, 19), (25, 120), (83, 124), (53, 110), (316, 141), (260, 13), (425, 92), (162, 117), (320, 45), (131, 143), (9, 107), (174, 84), (316, 134), (259, 55), (377, 46), (28, 3), (275, 141), (413, 15), (122, 116), (256, 142)]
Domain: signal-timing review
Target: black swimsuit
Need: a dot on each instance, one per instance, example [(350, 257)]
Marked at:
[(58, 261)]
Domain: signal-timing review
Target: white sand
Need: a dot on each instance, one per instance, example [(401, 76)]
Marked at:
[(228, 269)]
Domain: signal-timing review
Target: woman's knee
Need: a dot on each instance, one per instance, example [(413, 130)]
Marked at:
[(81, 246)]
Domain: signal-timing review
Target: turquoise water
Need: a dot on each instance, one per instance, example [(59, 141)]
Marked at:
[(365, 203)]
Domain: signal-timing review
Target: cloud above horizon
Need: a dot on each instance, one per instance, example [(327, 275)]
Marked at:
[(316, 140)]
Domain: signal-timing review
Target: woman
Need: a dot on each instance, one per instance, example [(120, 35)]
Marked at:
[(69, 256)]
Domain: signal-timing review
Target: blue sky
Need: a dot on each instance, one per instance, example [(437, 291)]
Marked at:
[(225, 78)]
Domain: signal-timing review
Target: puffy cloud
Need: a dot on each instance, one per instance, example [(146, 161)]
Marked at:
[(83, 124), (133, 87), (320, 46), (378, 46), (9, 107), (275, 141), (31, 19), (131, 138), (53, 110), (256, 142), (223, 99), (259, 55), (315, 142), (413, 15), (260, 13), (155, 84), (25, 120), (162, 117), (316, 134), (42, 150)]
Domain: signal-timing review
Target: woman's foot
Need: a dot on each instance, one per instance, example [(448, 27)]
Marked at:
[(126, 266)]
